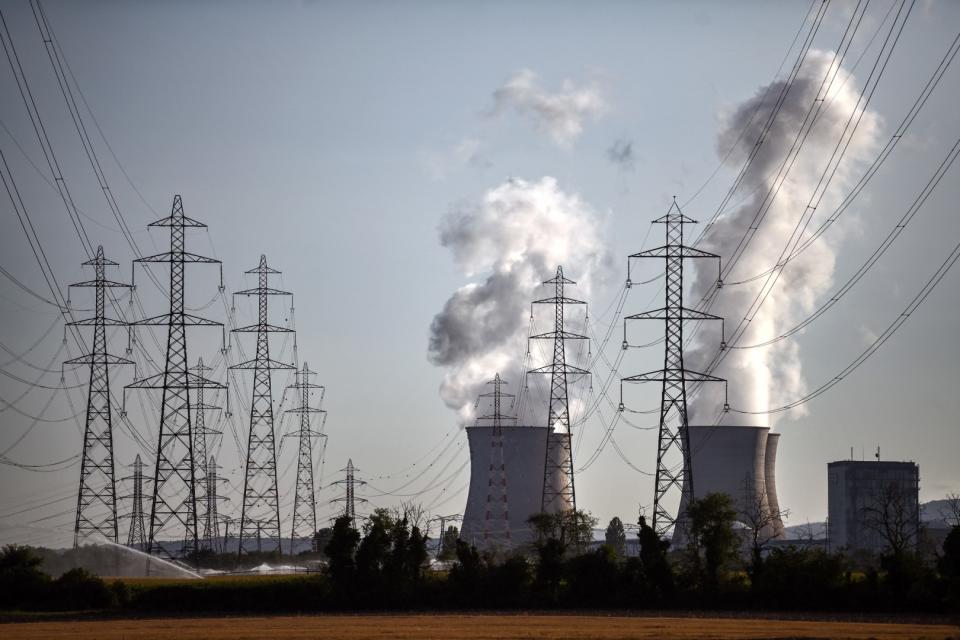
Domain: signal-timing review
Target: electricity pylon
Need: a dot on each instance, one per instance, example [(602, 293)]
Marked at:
[(305, 502), (211, 520), (260, 514), (201, 433), (137, 535), (97, 496), (558, 488), (350, 498), (443, 520), (496, 525), (671, 476), (174, 503)]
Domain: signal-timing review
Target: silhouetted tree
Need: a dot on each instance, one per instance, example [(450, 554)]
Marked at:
[(949, 563), (321, 538), (466, 572), (653, 556), (340, 550), (448, 543), (760, 520), (892, 514), (616, 537), (712, 538), (21, 580)]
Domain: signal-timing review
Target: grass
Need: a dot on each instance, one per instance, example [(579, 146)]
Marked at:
[(470, 627)]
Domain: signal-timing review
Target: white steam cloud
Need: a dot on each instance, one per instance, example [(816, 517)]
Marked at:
[(768, 377), (560, 114), (516, 236)]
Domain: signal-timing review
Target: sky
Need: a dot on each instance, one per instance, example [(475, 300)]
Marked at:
[(395, 159)]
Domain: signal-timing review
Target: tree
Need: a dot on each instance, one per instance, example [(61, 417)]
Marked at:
[(572, 530), (616, 537), (321, 538), (949, 562), (467, 571), (761, 521), (448, 543), (653, 556), (416, 554), (712, 536), (374, 549), (340, 550), (950, 512), (893, 515), (21, 580), (557, 536)]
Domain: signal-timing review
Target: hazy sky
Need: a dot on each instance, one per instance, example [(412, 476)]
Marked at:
[(339, 139)]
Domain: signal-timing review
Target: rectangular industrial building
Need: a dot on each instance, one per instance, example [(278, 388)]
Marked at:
[(866, 496)]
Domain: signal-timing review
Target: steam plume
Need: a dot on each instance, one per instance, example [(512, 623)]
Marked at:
[(771, 376), (559, 114), (510, 241)]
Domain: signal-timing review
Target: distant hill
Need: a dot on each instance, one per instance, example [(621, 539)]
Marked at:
[(934, 514)]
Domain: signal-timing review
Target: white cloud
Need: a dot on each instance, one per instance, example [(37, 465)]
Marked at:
[(561, 114)]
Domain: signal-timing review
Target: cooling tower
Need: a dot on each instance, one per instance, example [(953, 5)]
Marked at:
[(524, 450), (770, 480), (734, 460)]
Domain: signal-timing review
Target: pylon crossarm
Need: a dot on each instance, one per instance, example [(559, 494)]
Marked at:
[(266, 291), (563, 335), (264, 364), (674, 251), (103, 358), (672, 376), (558, 300), (100, 283), (90, 322), (178, 256), (682, 313), (185, 318), (305, 410), (562, 368), (269, 328)]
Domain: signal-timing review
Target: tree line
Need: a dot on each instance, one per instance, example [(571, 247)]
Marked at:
[(385, 564)]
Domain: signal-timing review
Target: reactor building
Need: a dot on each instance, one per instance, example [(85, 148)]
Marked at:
[(858, 491), (740, 461)]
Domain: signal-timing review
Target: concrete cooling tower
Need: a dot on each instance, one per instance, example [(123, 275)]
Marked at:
[(524, 450), (738, 461)]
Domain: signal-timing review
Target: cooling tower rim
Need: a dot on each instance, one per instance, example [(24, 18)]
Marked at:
[(506, 426), (730, 427)]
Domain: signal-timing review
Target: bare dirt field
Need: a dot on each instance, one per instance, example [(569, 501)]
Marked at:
[(473, 627)]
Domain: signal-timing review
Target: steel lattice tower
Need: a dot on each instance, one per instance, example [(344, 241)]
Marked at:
[(260, 515), (305, 502), (497, 481), (671, 476), (211, 520), (350, 498), (174, 485), (558, 488), (137, 535), (97, 496), (200, 471)]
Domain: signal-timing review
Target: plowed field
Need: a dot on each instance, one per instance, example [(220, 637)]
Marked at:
[(472, 627)]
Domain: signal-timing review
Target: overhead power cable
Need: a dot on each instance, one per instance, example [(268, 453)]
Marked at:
[(892, 328)]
